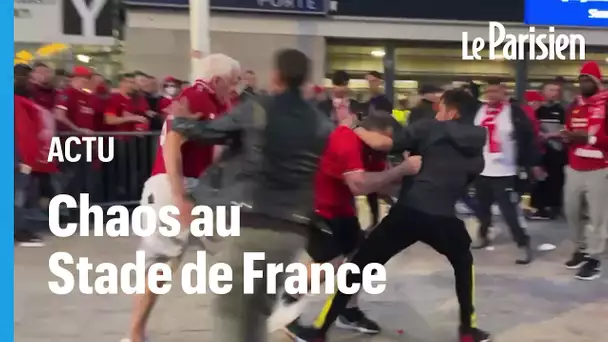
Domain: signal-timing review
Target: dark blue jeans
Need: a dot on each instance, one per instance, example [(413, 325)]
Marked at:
[(21, 188)]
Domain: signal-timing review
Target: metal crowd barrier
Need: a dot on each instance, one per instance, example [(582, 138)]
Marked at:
[(118, 181)]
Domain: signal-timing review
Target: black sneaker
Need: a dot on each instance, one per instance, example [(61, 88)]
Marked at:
[(37, 215), (577, 260), (354, 319), (300, 333), (474, 335), (26, 238), (528, 256), (591, 270)]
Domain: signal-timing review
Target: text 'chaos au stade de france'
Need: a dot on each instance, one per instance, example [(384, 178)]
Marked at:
[(199, 277)]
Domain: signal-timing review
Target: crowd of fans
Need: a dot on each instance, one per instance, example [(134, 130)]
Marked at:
[(81, 103)]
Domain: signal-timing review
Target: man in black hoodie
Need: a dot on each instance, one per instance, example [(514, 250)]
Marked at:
[(547, 196), (451, 149)]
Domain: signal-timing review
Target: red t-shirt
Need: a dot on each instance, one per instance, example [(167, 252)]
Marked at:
[(78, 107), (44, 96), (196, 157), (584, 157), (100, 103), (163, 105), (31, 142), (344, 153), (121, 105)]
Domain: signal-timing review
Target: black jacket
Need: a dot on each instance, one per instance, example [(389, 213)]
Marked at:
[(274, 148), (452, 154), (528, 153), (423, 111), (378, 103), (552, 117)]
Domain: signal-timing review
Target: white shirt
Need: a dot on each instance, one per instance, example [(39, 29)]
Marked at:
[(503, 164)]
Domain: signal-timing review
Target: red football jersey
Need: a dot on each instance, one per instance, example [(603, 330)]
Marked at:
[(585, 157), (196, 157), (78, 107), (344, 153), (44, 96), (120, 104), (163, 105)]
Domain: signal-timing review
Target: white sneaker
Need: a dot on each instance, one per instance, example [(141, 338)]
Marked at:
[(285, 313), (129, 340)]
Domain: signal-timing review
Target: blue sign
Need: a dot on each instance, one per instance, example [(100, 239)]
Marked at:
[(461, 10), (567, 12), (316, 7)]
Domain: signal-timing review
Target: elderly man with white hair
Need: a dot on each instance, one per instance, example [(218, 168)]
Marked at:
[(176, 170)]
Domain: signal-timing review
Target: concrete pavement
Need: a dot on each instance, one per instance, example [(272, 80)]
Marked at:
[(537, 303)]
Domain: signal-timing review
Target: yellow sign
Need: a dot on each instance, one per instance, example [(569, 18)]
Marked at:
[(51, 49), (25, 57)]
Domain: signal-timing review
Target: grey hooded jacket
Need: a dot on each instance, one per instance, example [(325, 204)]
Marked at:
[(452, 157), (274, 145)]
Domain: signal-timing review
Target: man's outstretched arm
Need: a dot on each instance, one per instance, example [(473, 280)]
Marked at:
[(213, 132)]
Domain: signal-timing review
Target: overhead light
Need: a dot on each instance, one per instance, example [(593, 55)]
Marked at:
[(83, 58), (606, 59), (378, 53)]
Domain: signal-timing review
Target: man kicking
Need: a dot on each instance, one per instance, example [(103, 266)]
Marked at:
[(451, 151), (346, 170), (175, 173)]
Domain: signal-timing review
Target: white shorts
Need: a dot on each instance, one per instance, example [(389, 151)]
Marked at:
[(159, 248)]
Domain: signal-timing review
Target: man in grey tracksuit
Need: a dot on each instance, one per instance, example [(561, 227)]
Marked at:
[(274, 147)]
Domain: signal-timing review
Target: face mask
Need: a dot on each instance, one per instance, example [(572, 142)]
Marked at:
[(172, 91)]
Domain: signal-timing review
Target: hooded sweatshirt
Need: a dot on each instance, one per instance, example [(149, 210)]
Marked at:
[(452, 155)]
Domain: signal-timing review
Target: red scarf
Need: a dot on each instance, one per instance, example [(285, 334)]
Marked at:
[(596, 111), (490, 123)]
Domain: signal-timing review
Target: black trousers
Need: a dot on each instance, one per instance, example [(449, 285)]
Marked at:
[(549, 192), (401, 228), (499, 190)]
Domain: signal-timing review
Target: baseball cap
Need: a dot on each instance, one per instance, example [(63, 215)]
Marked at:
[(81, 71)]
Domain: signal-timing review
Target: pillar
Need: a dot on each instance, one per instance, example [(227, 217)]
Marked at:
[(521, 78), (200, 37), (389, 71)]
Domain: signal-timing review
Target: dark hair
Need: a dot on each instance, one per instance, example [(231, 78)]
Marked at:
[(62, 73), (375, 74), (139, 73), (121, 77), (461, 101), (293, 67), (560, 80), (21, 70), (39, 65), (494, 81), (340, 78), (378, 121)]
